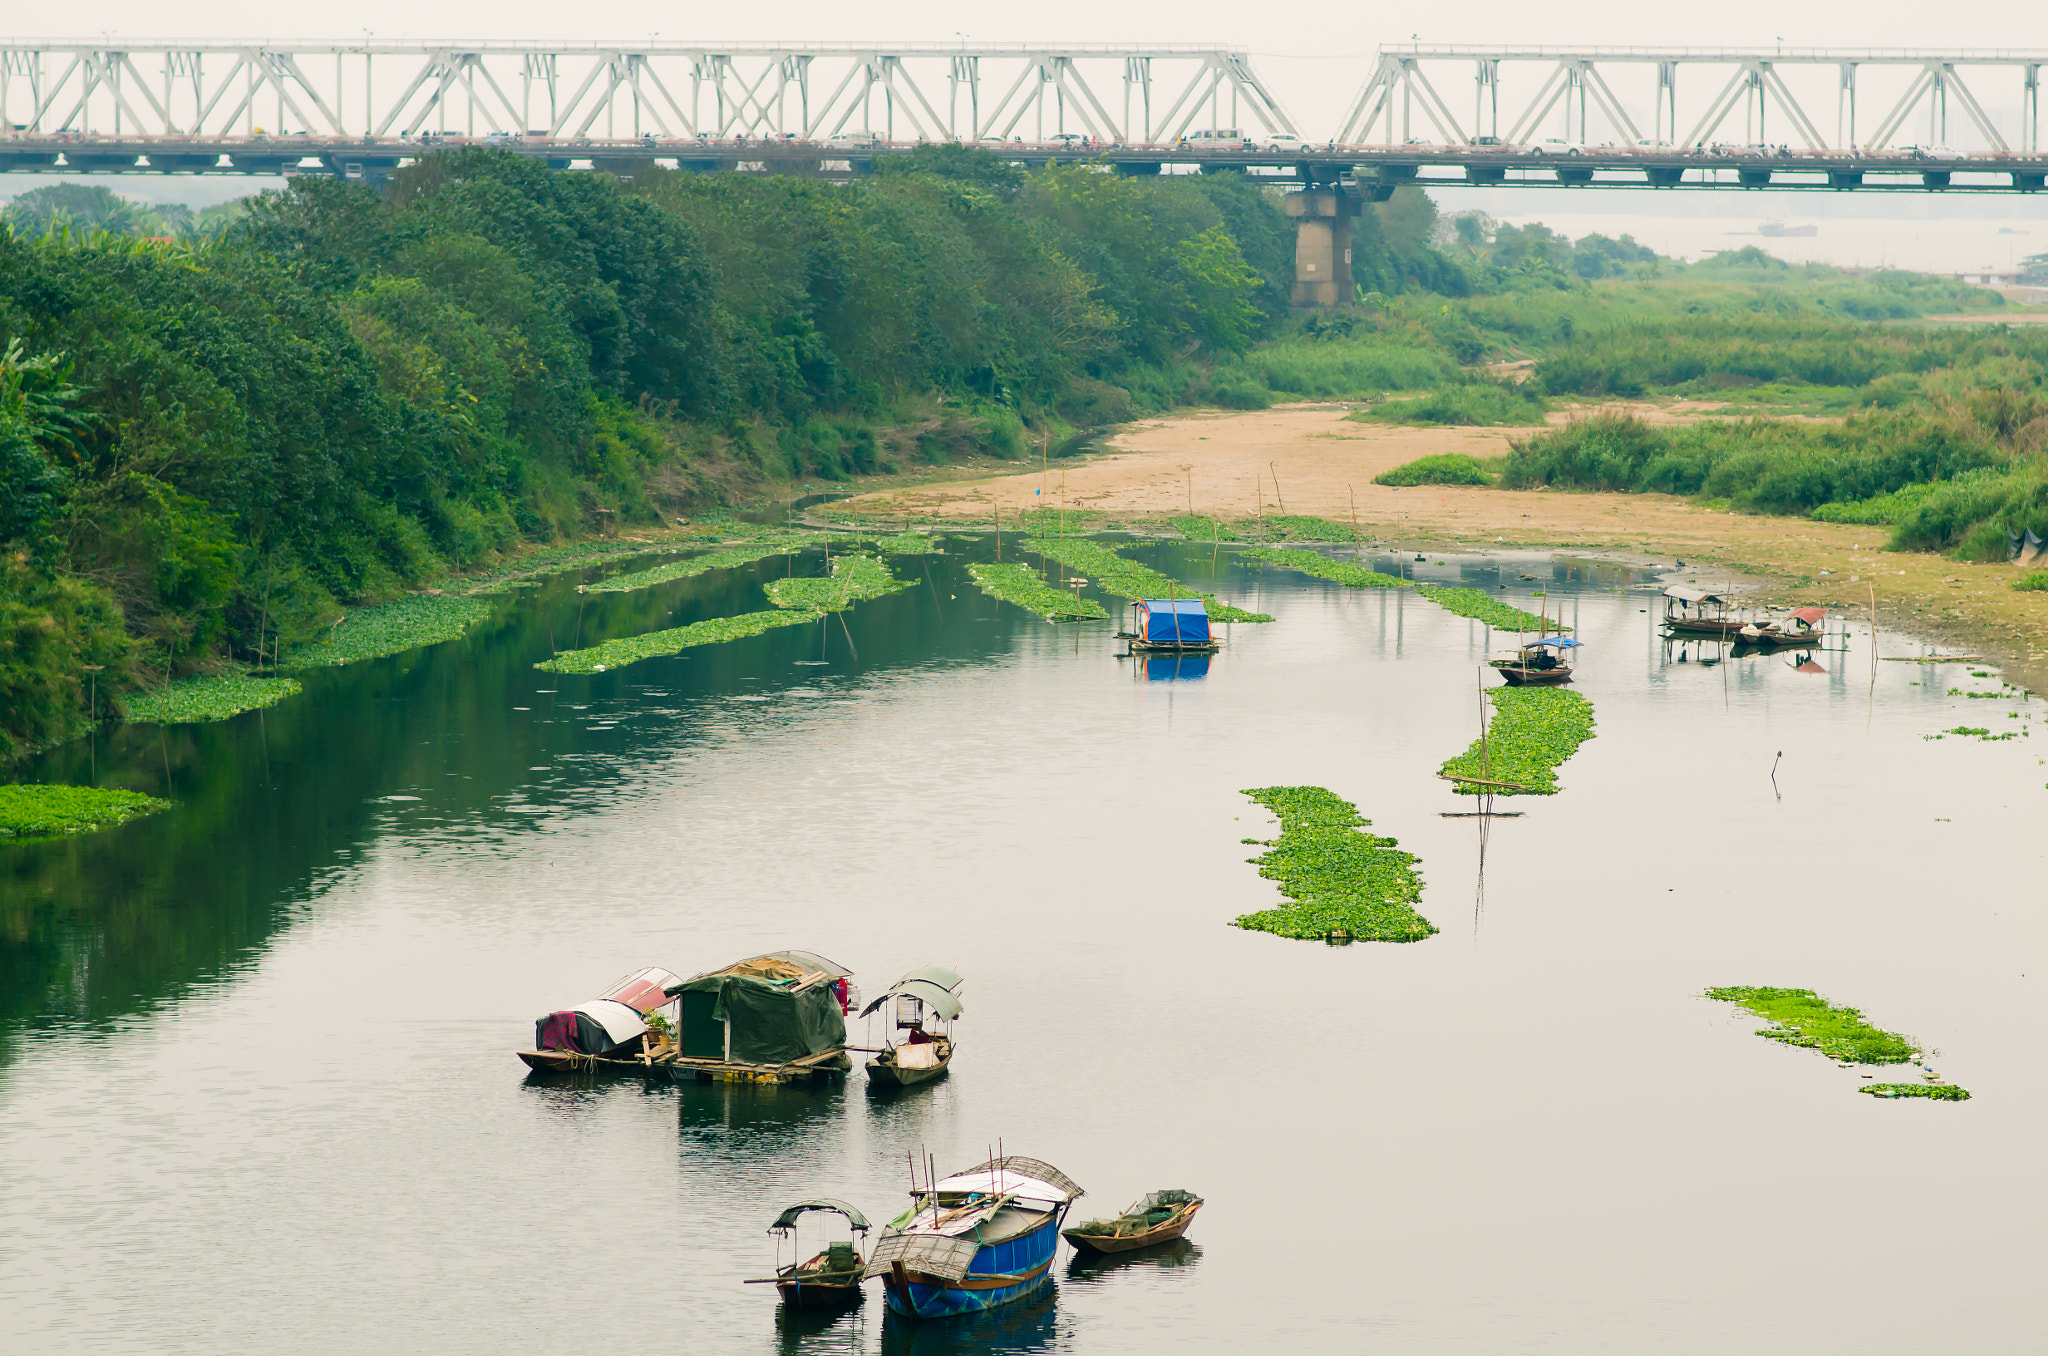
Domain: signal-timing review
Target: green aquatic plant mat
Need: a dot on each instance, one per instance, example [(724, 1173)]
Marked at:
[(909, 544), (1341, 880), (1533, 731), (657, 644), (210, 697), (1477, 603), (388, 628), (727, 559), (1938, 1092), (853, 579), (1442, 468), (1197, 528), (1802, 1017), (554, 560), (1111, 573), (1302, 527), (1349, 573), (43, 811), (1021, 585)]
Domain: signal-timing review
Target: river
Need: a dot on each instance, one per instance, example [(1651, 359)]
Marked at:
[(257, 1083)]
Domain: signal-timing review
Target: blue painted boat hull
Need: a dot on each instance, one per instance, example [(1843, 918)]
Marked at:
[(998, 1275)]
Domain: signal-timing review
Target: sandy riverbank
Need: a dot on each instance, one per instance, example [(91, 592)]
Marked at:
[(1228, 464)]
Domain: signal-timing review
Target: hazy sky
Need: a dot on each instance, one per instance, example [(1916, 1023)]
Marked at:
[(1315, 54)]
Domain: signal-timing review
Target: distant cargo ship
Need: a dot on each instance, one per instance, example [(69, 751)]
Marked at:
[(1779, 228)]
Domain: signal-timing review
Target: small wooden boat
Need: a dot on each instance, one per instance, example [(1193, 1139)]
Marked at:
[(976, 1240), (1537, 663), (1801, 626), (1693, 612), (1159, 1217), (619, 1028), (924, 1003), (1171, 625), (831, 1278)]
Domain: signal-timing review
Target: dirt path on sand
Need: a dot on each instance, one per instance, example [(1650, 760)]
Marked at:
[(1229, 464)]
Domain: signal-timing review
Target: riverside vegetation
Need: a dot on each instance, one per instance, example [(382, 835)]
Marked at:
[(214, 446), (1464, 602), (1111, 573), (1342, 882), (54, 811)]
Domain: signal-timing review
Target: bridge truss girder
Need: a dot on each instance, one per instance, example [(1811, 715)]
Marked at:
[(1399, 96), (672, 90)]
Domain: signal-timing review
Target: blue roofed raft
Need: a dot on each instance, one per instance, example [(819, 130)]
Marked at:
[(1174, 624)]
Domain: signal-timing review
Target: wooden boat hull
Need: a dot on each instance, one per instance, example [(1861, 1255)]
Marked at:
[(998, 1275), (890, 1074), (1165, 1233), (665, 1063), (1147, 647), (1779, 640), (802, 1294), (1695, 627), (1519, 675)]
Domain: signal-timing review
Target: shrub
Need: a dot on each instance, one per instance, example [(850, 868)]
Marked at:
[(1479, 404), (1444, 468), (2034, 581)]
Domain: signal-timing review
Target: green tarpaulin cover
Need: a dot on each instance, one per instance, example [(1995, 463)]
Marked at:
[(771, 1023)]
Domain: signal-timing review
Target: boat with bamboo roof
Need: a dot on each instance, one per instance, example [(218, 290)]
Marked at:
[(976, 1240), (1800, 626), (832, 1277), (921, 1008), (1537, 663), (1695, 612), (1154, 1218)]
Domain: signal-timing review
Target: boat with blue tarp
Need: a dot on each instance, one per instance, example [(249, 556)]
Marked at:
[(1537, 663), (1179, 625), (976, 1240)]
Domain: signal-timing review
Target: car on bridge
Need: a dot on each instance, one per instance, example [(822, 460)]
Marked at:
[(1217, 139), (1557, 146), (1282, 141)]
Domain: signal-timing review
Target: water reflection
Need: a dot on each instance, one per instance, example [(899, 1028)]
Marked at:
[(815, 1332), (756, 1122), (1023, 1325), (1095, 1268)]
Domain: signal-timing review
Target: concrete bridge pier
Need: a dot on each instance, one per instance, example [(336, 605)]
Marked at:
[(1322, 246)]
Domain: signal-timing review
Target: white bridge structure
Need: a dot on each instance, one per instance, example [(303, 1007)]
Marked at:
[(669, 90)]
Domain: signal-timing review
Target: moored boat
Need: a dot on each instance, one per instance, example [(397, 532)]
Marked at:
[(1694, 612), (830, 1278), (612, 1029), (1537, 663), (774, 1018), (921, 1007), (1158, 1217), (976, 1240), (1172, 625), (1801, 626)]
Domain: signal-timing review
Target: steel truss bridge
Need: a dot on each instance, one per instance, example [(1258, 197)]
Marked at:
[(1589, 117)]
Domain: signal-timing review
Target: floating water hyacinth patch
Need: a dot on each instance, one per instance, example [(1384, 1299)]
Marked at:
[(1197, 528), (1939, 1092), (1342, 881), (388, 628), (908, 544), (47, 811), (1533, 731), (1022, 586), (1349, 573), (211, 697), (555, 559), (727, 559), (1483, 607), (1111, 573), (656, 644), (1802, 1017), (853, 579)]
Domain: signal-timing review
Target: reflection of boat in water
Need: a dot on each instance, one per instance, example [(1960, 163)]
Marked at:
[(832, 1277), (1778, 230), (611, 1030), (1537, 663), (1694, 612), (1024, 1324), (928, 994), (1166, 668), (1159, 1217), (976, 1240), (1801, 626), (1084, 1267)]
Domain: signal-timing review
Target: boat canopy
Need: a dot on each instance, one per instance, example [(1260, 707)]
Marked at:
[(598, 1027), (1012, 1175), (767, 1009), (1689, 596), (1556, 642), (1174, 621), (1812, 616), (935, 985), (643, 990), (788, 1218)]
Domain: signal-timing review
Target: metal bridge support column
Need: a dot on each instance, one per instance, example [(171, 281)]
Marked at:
[(1322, 247)]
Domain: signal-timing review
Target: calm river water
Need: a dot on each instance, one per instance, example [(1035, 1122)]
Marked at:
[(257, 1084)]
